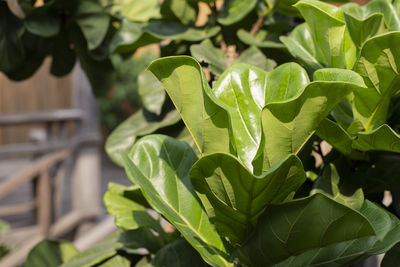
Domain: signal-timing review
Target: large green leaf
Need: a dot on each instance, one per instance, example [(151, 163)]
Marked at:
[(288, 125), (300, 225), (328, 184), (93, 21), (235, 10), (243, 91), (160, 165), (141, 123), (133, 10), (185, 83), (128, 214), (385, 225), (49, 253), (178, 254), (378, 64), (234, 198), (11, 48), (334, 47)]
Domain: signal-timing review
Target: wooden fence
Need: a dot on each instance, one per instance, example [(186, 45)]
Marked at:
[(42, 92)]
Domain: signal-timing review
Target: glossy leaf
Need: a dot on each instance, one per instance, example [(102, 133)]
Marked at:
[(160, 166), (50, 253), (255, 57), (288, 125), (205, 51), (93, 21), (285, 229), (235, 10), (334, 47), (128, 214), (185, 83), (142, 238), (392, 257), (328, 184), (141, 123), (378, 65), (178, 254), (234, 198)]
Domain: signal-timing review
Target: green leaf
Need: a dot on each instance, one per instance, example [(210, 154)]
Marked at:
[(43, 21), (64, 57), (243, 91), (378, 65), (141, 11), (392, 257), (185, 83), (235, 10), (262, 39), (101, 74), (11, 48), (151, 92), (254, 56), (328, 184), (95, 254), (128, 214), (205, 51), (141, 123), (382, 138), (234, 198), (346, 253), (364, 22), (301, 45), (49, 253), (288, 125), (284, 229), (185, 11), (93, 21), (334, 47), (160, 165), (178, 254), (143, 237), (116, 260)]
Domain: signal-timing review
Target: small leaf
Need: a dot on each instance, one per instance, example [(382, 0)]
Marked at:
[(43, 21), (235, 10), (262, 39), (141, 11), (255, 57), (205, 51), (151, 92)]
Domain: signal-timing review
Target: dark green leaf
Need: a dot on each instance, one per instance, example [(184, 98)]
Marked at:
[(49, 253), (43, 21), (235, 10)]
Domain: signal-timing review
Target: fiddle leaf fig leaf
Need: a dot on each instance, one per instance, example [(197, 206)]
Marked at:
[(205, 51), (328, 184), (255, 57), (141, 11), (128, 214), (50, 253), (261, 39), (160, 165), (378, 64), (234, 198), (43, 21), (179, 254), (151, 92), (186, 85), (141, 123), (243, 91), (285, 229), (235, 10), (288, 125), (382, 138), (93, 21), (333, 45)]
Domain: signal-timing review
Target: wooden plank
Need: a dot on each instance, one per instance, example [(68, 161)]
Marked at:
[(41, 117), (44, 201)]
